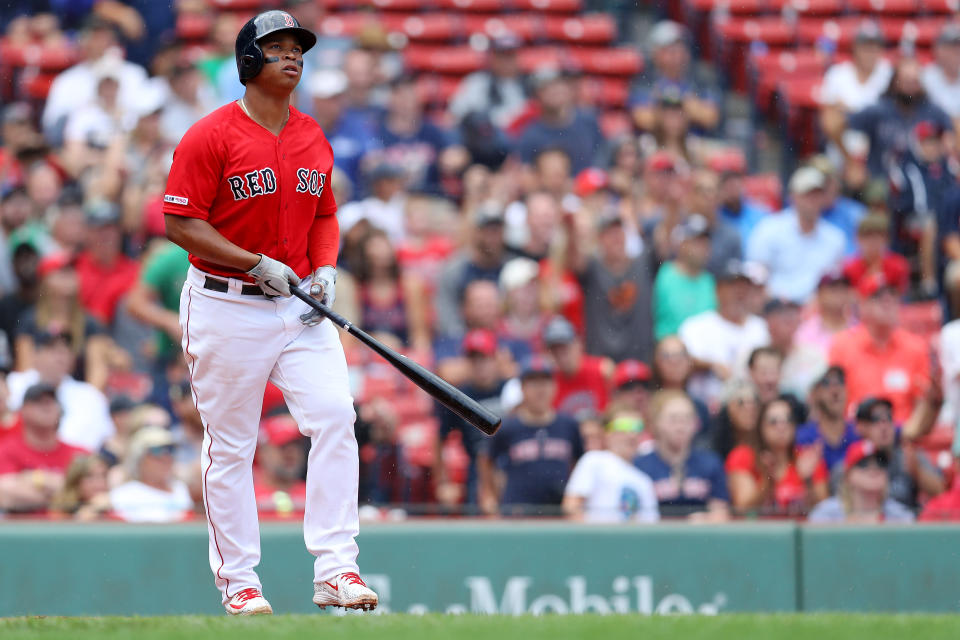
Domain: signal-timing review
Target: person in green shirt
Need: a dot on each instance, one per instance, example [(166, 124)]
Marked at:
[(155, 298), (683, 287)]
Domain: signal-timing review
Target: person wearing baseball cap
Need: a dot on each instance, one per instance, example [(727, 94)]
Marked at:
[(828, 427), (704, 201), (875, 259), (484, 384), (941, 79), (683, 287), (670, 54), (631, 384), (153, 494), (350, 136), (796, 246), (864, 494), (278, 478), (605, 486), (583, 381), (497, 90), (832, 312), (536, 447)]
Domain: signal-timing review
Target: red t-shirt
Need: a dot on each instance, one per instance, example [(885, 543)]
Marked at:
[(102, 287), (789, 489), (267, 194), (894, 267), (17, 456), (273, 501), (945, 506), (587, 389)]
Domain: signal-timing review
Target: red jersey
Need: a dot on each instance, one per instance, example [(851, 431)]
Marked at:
[(17, 456), (102, 287), (895, 269), (267, 194), (789, 490), (587, 389)]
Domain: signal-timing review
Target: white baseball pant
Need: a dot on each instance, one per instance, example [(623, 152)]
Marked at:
[(233, 344)]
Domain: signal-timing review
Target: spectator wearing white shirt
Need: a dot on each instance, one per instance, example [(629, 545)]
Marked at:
[(86, 421), (716, 338), (796, 246), (605, 486), (152, 494), (941, 78), (384, 207), (855, 84), (77, 85)]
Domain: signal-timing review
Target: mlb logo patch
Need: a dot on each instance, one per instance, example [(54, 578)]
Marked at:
[(174, 199), (288, 20)]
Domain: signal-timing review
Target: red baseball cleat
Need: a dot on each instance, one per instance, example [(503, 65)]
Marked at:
[(249, 602)]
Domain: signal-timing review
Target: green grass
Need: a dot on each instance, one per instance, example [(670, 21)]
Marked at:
[(404, 627)]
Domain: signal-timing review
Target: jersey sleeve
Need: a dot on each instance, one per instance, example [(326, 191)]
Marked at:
[(740, 459), (195, 174)]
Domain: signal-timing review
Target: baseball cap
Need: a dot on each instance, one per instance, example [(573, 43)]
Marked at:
[(666, 32), (834, 374), (733, 270), (122, 403), (869, 31), (660, 161), (559, 331), (279, 430), (505, 42), (832, 279), (488, 213), (589, 181), (385, 171), (17, 112), (867, 411), (607, 218), (481, 341), (694, 226), (861, 452), (100, 213), (779, 304), (544, 75), (873, 285), (39, 391), (327, 83), (144, 440), (728, 162), (756, 272), (873, 223), (54, 262), (807, 179), (949, 34), (626, 423), (630, 372), (517, 273), (536, 367)]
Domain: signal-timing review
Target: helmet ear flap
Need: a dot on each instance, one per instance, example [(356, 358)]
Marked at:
[(248, 61)]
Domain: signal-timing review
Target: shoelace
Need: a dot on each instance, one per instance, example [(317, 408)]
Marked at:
[(248, 594), (353, 578)]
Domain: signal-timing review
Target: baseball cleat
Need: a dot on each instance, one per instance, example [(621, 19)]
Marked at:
[(249, 602), (347, 590)]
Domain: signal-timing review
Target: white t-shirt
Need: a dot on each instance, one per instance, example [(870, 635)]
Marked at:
[(841, 86), (614, 489), (388, 216), (709, 337), (942, 92), (136, 502)]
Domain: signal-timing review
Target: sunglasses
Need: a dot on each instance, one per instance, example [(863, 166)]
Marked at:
[(161, 450), (831, 382), (778, 421), (879, 417)]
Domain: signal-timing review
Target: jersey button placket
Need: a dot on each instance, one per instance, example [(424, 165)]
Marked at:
[(282, 222)]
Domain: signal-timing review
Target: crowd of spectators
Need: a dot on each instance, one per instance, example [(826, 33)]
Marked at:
[(659, 342)]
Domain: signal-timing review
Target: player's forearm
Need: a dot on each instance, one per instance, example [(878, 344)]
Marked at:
[(200, 239), (323, 241)]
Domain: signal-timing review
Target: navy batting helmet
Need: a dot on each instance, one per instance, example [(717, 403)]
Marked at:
[(250, 59)]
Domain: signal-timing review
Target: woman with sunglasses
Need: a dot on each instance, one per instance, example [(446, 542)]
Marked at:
[(153, 494), (773, 478)]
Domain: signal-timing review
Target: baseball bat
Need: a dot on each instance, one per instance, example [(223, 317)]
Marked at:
[(444, 392)]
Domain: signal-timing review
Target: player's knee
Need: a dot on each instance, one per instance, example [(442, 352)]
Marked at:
[(334, 415)]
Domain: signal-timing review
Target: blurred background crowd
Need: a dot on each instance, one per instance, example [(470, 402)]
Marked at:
[(702, 256)]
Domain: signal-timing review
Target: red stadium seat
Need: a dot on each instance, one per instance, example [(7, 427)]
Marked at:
[(736, 34), (479, 6), (455, 60), (591, 29), (525, 26), (604, 91), (737, 7), (940, 6), (533, 58), (922, 31), (765, 188), (549, 6), (347, 24), (619, 61), (840, 30), (245, 5), (193, 26), (436, 89), (397, 5), (770, 67), (800, 99), (884, 7), (425, 26), (615, 123)]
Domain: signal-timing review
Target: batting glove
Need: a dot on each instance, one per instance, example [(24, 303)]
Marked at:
[(323, 287), (273, 276)]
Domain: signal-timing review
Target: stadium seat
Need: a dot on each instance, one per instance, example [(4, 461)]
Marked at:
[(436, 90), (347, 24), (454, 60), (618, 61), (884, 7), (940, 6), (245, 5), (587, 29), (922, 31), (615, 123), (800, 102), (397, 5), (480, 6), (525, 26), (769, 68), (426, 26), (193, 26), (549, 6), (736, 7), (604, 91), (533, 58), (765, 188), (734, 35), (840, 30)]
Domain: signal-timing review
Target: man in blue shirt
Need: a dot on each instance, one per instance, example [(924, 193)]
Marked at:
[(560, 125), (535, 448), (829, 430), (840, 211), (736, 209)]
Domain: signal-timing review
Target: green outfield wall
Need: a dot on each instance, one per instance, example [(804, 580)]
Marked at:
[(511, 568)]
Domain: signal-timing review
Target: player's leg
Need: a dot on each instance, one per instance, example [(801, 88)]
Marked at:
[(312, 373), (230, 344)]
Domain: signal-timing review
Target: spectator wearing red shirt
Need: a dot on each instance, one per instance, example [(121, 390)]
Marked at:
[(945, 506), (775, 478), (105, 273), (281, 459), (33, 463), (879, 357), (875, 258), (583, 381)]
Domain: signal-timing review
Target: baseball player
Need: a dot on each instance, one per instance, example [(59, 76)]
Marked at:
[(248, 197)]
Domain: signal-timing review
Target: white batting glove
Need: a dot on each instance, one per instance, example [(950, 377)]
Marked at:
[(273, 276), (322, 287)]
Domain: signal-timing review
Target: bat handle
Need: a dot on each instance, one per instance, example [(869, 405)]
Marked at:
[(326, 311)]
